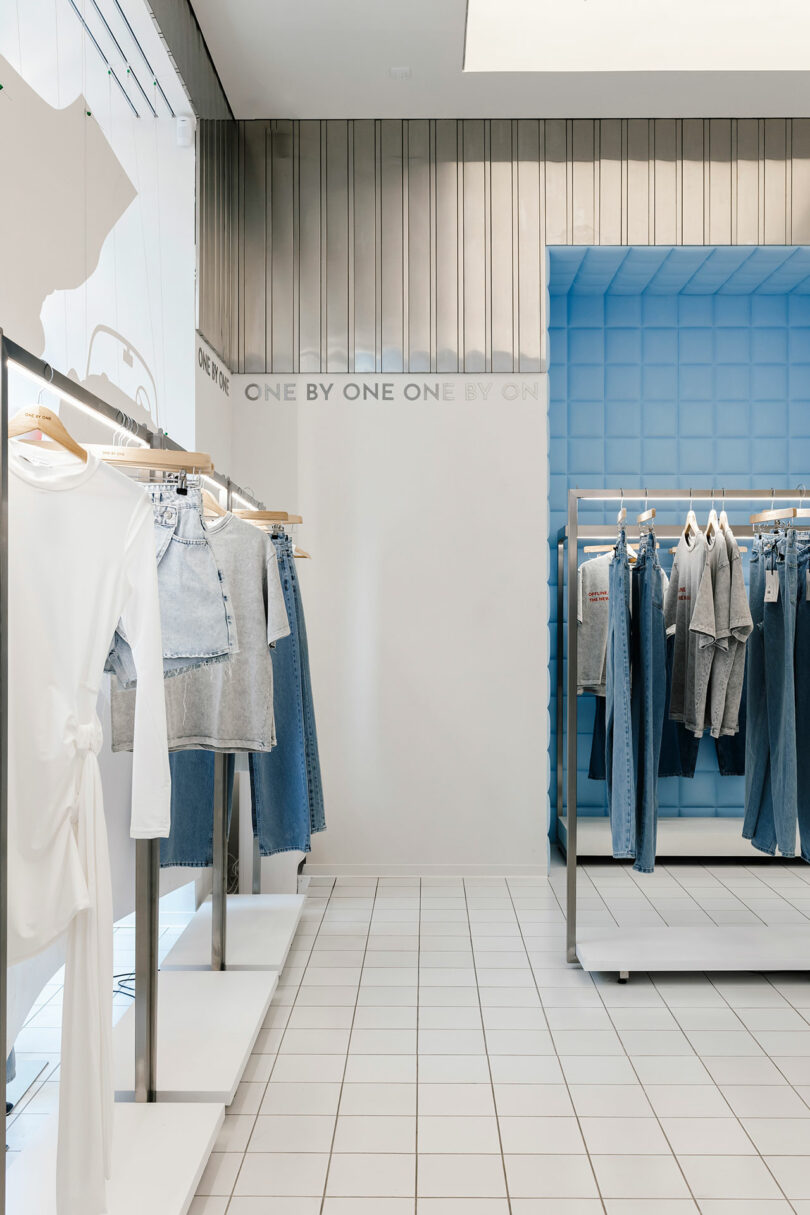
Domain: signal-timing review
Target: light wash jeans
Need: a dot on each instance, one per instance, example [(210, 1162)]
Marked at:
[(619, 761), (648, 696), (770, 750), (196, 622)]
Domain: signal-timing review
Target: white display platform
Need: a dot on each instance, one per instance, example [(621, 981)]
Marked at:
[(159, 1153), (732, 947), (258, 937), (208, 1022), (28, 1070), (705, 838)]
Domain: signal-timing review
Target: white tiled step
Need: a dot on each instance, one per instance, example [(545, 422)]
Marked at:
[(259, 933), (698, 837), (750, 947), (208, 1022), (159, 1154)]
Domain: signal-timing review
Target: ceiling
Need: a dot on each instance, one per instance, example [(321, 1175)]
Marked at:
[(330, 59), (680, 270)]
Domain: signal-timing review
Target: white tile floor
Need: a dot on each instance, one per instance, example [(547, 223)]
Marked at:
[(429, 1052)]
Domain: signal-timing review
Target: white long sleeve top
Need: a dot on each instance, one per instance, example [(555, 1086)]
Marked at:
[(81, 557)]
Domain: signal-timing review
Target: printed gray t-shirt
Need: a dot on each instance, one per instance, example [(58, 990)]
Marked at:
[(728, 667), (689, 615), (226, 706), (592, 623)]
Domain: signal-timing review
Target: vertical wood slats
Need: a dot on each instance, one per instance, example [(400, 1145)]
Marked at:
[(419, 246)]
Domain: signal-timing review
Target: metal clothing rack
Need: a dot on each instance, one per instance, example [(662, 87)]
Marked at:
[(147, 852), (641, 949)]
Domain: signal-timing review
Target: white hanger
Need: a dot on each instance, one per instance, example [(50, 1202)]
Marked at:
[(691, 525)]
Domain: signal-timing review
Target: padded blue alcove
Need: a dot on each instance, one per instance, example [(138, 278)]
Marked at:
[(671, 367)]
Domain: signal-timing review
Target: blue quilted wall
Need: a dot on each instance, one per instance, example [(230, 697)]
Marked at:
[(674, 367)]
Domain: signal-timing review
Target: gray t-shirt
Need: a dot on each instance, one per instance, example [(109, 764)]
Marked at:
[(592, 623), (728, 667), (689, 615), (226, 706)]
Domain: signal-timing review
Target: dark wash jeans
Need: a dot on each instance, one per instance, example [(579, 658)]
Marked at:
[(191, 839), (770, 755), (648, 695), (802, 681), (286, 787)]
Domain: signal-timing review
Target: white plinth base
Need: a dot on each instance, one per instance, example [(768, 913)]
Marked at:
[(208, 1022), (159, 1153), (700, 837), (748, 947), (259, 933)]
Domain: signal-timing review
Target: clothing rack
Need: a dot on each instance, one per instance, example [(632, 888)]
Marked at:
[(147, 852), (644, 949)]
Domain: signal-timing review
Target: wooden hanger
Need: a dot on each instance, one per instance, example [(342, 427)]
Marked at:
[(161, 459), (211, 506), (774, 516), (268, 516), (299, 552), (646, 516), (39, 417)]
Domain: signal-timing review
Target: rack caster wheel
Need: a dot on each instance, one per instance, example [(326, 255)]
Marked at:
[(624, 975)]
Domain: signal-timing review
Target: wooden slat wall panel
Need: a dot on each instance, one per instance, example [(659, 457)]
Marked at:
[(800, 182), (609, 183), (420, 245)]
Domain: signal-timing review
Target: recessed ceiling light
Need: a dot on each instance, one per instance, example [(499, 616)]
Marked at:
[(400, 73), (637, 36)]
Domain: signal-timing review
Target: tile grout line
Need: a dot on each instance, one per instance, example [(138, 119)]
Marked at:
[(246, 1150), (700, 1056), (554, 1044), (349, 1044), (418, 1010), (486, 1045)]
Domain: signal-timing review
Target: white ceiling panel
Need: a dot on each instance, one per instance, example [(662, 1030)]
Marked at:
[(398, 59)]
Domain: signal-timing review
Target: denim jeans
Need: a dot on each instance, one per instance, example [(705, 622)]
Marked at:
[(802, 679), (770, 753), (196, 622), (286, 786), (191, 839), (648, 696), (619, 762)]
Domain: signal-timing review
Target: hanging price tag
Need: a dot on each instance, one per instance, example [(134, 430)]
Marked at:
[(771, 586)]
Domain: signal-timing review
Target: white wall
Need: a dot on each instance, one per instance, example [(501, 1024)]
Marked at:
[(97, 213), (426, 608), (97, 257)]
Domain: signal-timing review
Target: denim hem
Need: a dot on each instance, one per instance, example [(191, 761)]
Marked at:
[(643, 868), (277, 851), (208, 656), (750, 836), (186, 864), (624, 856), (193, 663)]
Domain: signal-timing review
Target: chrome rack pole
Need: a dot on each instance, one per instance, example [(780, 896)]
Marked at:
[(4, 411), (147, 913), (219, 889), (571, 807), (560, 703)]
